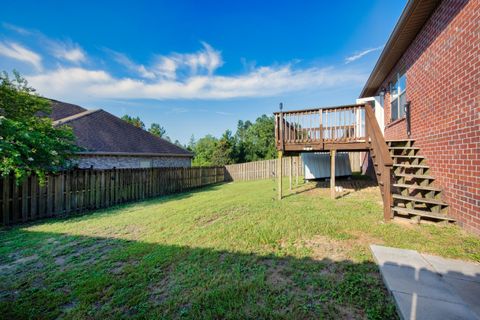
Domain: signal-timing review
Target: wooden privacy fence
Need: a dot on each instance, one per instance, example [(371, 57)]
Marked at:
[(266, 169), (77, 191)]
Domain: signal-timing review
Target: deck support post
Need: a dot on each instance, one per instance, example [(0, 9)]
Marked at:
[(291, 172), (297, 172), (279, 173), (332, 173)]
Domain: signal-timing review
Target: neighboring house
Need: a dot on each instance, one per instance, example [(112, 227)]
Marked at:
[(110, 142), (432, 61)]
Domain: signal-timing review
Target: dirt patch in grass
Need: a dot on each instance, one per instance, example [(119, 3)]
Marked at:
[(344, 186), (324, 247), (82, 254), (364, 239), (18, 261), (119, 266), (205, 221), (277, 273), (160, 289)]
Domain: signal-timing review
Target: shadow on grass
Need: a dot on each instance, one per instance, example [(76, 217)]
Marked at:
[(102, 212), (50, 275), (349, 184)]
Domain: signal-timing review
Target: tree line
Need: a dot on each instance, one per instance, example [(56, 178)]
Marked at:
[(154, 129), (251, 141)]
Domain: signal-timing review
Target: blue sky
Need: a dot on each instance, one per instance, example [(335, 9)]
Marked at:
[(196, 67)]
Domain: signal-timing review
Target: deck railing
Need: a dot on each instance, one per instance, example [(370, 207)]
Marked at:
[(322, 125)]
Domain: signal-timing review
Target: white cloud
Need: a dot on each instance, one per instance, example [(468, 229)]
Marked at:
[(16, 29), (204, 61), (64, 50), (357, 56), (67, 51), (139, 69), (166, 67), (176, 65), (16, 51), (68, 83), (260, 82), (174, 76)]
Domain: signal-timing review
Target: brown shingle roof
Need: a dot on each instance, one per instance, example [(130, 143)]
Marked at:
[(62, 110), (98, 131)]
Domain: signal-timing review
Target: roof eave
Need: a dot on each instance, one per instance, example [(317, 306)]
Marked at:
[(133, 154), (418, 11), (74, 117)]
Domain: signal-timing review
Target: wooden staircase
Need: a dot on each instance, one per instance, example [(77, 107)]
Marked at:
[(413, 194)]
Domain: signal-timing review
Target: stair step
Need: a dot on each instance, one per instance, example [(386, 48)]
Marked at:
[(406, 156), (401, 140), (415, 186), (422, 213), (403, 148), (420, 176), (419, 200), (411, 165)]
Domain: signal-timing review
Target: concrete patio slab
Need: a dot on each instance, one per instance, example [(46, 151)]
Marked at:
[(429, 287), (418, 307), (454, 268), (469, 291)]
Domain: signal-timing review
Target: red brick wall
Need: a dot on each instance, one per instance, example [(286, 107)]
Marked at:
[(443, 85)]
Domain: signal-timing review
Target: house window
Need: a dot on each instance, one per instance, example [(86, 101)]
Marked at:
[(398, 96)]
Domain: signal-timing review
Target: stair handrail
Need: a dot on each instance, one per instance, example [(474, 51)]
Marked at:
[(378, 144), (376, 136)]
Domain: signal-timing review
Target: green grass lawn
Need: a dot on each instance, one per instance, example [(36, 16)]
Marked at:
[(226, 251)]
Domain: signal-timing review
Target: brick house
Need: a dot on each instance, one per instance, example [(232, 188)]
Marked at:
[(110, 142), (431, 63)]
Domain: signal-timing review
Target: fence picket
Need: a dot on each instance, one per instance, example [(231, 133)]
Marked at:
[(80, 190), (266, 169)]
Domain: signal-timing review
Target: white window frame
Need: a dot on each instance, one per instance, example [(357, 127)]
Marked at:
[(395, 98)]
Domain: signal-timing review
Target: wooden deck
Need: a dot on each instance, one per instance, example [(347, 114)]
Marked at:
[(343, 128), (322, 129)]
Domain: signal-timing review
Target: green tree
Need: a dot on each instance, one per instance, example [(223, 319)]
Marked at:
[(260, 139), (204, 150), (136, 121), (240, 140), (191, 144), (29, 143), (251, 142), (224, 150), (157, 130)]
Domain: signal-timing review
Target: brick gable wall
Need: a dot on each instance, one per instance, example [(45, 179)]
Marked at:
[(443, 85), (130, 162)]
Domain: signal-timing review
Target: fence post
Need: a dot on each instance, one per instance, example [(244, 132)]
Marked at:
[(279, 173), (291, 172)]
